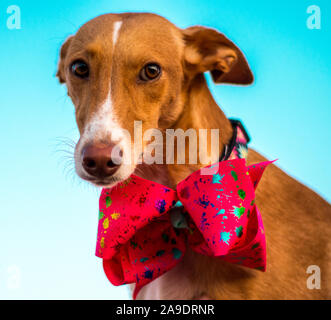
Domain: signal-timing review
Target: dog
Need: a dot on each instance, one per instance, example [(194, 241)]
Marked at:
[(120, 68)]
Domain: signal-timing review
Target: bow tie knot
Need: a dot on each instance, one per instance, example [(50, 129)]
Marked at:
[(145, 227)]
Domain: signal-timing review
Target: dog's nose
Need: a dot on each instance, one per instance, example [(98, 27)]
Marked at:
[(98, 160)]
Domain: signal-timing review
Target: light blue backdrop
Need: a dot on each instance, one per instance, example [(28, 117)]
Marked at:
[(48, 219)]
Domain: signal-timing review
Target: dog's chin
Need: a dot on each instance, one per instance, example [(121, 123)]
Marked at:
[(104, 183), (109, 182)]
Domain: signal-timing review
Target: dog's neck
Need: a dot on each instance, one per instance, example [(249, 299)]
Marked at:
[(200, 111)]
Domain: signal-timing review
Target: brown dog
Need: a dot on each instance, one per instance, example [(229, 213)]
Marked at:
[(119, 68)]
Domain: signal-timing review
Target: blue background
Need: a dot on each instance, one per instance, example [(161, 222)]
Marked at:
[(48, 218)]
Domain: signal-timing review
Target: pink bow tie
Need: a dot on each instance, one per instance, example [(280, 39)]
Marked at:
[(141, 236)]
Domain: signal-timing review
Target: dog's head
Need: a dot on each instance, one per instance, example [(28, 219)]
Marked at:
[(119, 68)]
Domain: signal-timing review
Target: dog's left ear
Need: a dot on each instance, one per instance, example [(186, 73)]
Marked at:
[(63, 53), (208, 50)]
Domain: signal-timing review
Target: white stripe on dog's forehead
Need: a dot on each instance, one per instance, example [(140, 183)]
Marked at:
[(103, 124), (117, 27)]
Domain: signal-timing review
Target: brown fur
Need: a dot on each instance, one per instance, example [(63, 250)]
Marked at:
[(296, 219)]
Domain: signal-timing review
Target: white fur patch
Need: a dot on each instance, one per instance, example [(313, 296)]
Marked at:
[(104, 125), (117, 27)]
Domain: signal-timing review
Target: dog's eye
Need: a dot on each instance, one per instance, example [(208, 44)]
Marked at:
[(80, 69), (150, 72)]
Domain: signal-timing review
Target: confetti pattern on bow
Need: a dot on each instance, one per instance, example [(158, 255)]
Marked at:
[(141, 236)]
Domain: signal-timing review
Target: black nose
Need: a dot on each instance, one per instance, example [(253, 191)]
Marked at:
[(98, 160)]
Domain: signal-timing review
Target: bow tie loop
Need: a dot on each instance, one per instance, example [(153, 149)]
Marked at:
[(220, 204), (127, 208)]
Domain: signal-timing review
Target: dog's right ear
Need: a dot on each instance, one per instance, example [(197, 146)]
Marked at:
[(63, 53)]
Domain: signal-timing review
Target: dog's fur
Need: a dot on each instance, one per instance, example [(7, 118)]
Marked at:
[(116, 47)]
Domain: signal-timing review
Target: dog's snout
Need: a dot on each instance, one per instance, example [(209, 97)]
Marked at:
[(101, 161)]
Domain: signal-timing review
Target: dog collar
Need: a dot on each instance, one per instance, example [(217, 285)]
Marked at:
[(237, 147)]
